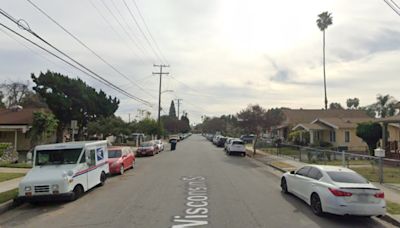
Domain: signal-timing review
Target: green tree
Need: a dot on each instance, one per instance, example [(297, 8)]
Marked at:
[(385, 105), (149, 127), (323, 22), (335, 105), (2, 105), (106, 126), (44, 125), (172, 110), (370, 133), (352, 103), (185, 123), (71, 99)]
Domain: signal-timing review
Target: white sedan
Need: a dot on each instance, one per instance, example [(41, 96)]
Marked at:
[(334, 190)]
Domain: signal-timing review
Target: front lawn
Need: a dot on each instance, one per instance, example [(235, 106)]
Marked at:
[(390, 174), (9, 195), (15, 165), (9, 176), (393, 208)]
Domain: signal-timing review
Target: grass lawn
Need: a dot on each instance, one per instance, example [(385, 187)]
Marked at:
[(390, 174), (9, 195), (15, 165), (9, 176), (339, 162), (393, 208), (282, 165)]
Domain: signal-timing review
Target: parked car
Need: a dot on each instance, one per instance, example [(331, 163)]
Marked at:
[(236, 146), (160, 145), (221, 141), (247, 138), (215, 139), (120, 158), (227, 142), (147, 149), (64, 171), (335, 190)]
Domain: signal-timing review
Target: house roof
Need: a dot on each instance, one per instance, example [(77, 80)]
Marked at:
[(296, 116), (390, 119), (17, 117), (309, 126), (341, 122)]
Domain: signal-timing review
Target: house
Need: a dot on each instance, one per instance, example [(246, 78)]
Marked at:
[(15, 123), (339, 132), (293, 117), (391, 135)]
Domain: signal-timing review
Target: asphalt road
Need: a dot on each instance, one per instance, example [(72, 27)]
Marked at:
[(195, 185)]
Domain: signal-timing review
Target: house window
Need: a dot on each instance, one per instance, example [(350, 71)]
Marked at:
[(332, 136), (347, 136)]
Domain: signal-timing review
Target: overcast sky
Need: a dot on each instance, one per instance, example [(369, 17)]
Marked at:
[(224, 54)]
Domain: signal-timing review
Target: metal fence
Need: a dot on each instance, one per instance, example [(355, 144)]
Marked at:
[(375, 169)]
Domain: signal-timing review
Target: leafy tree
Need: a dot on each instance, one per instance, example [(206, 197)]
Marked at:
[(352, 103), (44, 126), (385, 105), (149, 127), (33, 100), (2, 105), (172, 111), (370, 133), (106, 126), (323, 22), (14, 92), (335, 105), (71, 99), (185, 123)]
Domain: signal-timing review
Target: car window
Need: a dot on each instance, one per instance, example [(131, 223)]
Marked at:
[(237, 143), (346, 177), (314, 173), (303, 171)]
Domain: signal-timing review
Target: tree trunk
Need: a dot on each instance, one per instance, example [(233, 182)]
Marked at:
[(323, 52), (254, 144), (60, 133)]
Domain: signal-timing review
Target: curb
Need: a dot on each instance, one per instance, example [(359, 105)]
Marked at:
[(387, 218), (11, 204)]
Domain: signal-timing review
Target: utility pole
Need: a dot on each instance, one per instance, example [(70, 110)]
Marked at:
[(179, 103), (159, 89)]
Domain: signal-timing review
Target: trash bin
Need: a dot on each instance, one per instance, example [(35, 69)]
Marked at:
[(173, 144)]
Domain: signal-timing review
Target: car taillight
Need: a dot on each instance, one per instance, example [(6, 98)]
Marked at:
[(380, 195), (339, 193)]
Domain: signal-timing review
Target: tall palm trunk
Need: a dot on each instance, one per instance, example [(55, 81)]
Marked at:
[(323, 50)]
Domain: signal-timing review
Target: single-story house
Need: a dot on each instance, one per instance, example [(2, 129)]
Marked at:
[(15, 123), (293, 117), (391, 135), (339, 132)]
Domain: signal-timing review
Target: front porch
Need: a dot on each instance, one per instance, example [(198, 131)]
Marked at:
[(390, 142)]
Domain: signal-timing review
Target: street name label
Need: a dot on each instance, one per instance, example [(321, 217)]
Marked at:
[(196, 212)]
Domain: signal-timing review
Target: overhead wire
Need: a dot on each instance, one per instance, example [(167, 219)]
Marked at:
[(85, 71), (123, 28), (116, 32), (148, 31), (87, 47), (397, 11), (142, 32)]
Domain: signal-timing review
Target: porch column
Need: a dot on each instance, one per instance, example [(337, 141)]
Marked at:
[(15, 140), (301, 136), (311, 136)]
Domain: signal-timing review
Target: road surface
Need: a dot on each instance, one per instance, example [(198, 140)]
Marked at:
[(195, 185)]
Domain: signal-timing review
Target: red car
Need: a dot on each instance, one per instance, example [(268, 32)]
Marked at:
[(147, 148), (120, 158)]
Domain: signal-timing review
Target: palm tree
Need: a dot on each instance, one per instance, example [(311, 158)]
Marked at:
[(385, 105), (323, 21)]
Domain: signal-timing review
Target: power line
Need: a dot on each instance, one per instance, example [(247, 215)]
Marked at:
[(92, 74), (393, 7), (141, 31), (123, 28), (88, 48), (394, 3), (115, 31), (148, 31)]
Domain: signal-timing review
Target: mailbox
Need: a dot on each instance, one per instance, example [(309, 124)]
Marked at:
[(379, 152)]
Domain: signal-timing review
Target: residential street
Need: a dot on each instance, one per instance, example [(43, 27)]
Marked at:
[(231, 191)]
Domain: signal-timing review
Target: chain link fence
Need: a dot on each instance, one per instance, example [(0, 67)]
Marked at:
[(373, 168)]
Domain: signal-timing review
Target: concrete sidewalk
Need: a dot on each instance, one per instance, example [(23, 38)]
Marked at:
[(13, 170), (284, 164), (10, 184)]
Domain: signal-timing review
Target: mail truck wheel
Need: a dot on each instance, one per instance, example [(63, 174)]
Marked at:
[(78, 191), (102, 178)]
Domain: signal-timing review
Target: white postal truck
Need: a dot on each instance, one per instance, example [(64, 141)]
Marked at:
[(64, 171)]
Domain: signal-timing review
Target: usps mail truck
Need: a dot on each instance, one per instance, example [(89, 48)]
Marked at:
[(65, 171)]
